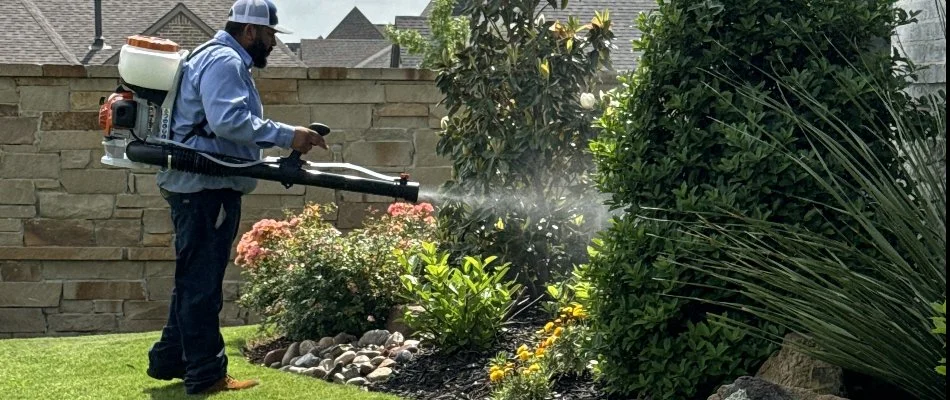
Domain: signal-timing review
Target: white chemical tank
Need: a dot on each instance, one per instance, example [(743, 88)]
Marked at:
[(150, 62)]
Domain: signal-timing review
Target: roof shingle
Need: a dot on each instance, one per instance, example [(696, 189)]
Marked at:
[(343, 52), (44, 46), (74, 22), (356, 26)]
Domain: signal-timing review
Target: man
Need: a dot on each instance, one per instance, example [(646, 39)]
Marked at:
[(218, 110)]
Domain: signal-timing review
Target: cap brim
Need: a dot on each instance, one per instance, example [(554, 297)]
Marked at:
[(281, 29)]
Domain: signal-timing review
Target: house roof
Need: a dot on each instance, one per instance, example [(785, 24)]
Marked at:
[(356, 26), (44, 46), (420, 24), (73, 22), (345, 53), (623, 13)]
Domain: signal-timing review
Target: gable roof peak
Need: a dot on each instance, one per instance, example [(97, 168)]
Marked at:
[(355, 25)]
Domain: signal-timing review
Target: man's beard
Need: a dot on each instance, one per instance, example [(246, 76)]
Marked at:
[(259, 52)]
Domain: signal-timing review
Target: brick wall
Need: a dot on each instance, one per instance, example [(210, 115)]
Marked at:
[(925, 43), (183, 31), (87, 248)]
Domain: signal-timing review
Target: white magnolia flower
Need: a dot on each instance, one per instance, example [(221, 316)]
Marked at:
[(445, 122), (588, 101)]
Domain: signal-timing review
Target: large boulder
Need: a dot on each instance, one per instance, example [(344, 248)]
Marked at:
[(791, 368)]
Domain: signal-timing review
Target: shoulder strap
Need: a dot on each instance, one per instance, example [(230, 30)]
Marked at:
[(199, 129)]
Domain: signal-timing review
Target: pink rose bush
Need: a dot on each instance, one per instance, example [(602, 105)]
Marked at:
[(309, 279)]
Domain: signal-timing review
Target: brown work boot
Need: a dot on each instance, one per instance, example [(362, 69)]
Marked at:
[(229, 383)]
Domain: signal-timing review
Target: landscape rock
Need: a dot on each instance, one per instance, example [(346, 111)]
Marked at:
[(377, 360), (345, 358), (351, 371), (381, 374), (307, 361), (387, 363), (326, 363), (752, 388), (338, 378), (358, 381), (395, 339), (292, 351), (296, 370), (365, 368), (344, 338), (275, 365), (335, 351), (316, 372), (307, 346), (274, 356), (361, 359), (323, 344), (791, 368), (371, 354), (403, 356), (375, 337)]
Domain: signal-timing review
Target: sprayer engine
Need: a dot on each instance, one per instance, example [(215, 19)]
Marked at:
[(136, 124)]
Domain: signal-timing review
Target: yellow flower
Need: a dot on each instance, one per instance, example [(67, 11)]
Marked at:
[(534, 368), (496, 376), (524, 355), (509, 365), (522, 349), (558, 321), (558, 331), (579, 313), (539, 352), (549, 342), (548, 326)]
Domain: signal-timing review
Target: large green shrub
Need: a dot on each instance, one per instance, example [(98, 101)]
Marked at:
[(516, 133), (309, 280), (863, 294), (669, 149)]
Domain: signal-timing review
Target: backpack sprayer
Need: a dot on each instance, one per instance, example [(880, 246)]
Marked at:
[(136, 122)]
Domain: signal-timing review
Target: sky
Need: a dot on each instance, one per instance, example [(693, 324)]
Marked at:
[(310, 19)]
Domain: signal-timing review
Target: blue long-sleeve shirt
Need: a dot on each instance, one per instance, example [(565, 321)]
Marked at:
[(216, 84)]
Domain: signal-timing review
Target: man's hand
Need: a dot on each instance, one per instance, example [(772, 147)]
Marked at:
[(305, 139)]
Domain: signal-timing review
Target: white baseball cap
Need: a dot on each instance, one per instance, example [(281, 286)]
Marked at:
[(256, 12)]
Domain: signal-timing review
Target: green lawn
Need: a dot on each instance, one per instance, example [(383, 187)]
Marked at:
[(113, 367)]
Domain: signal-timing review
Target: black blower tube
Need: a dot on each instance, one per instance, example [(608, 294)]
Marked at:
[(188, 160)]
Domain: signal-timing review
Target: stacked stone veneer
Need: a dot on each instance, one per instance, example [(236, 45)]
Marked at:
[(87, 248), (925, 43)]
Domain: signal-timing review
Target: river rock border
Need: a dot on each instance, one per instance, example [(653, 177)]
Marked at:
[(344, 359)]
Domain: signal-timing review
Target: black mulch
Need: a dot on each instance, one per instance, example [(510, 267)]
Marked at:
[(433, 375)]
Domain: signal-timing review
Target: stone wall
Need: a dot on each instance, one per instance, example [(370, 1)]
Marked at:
[(925, 43), (87, 248)]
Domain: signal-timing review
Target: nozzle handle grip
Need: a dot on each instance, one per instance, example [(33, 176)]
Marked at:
[(321, 129)]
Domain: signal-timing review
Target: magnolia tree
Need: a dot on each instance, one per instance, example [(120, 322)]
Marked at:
[(516, 132)]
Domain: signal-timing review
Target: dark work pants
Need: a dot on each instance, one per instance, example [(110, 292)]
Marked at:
[(191, 346)]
